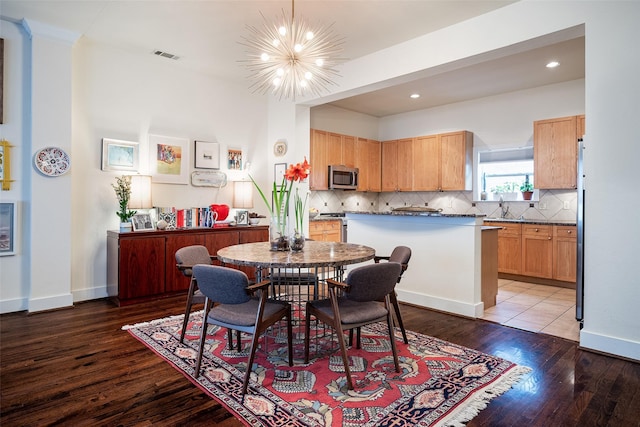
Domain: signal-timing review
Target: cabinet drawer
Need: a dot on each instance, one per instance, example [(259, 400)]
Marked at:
[(315, 226), (537, 230), (507, 228), (564, 231)]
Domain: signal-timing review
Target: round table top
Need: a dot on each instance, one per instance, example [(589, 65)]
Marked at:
[(314, 254)]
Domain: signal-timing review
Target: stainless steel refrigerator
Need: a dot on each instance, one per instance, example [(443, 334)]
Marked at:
[(580, 234)]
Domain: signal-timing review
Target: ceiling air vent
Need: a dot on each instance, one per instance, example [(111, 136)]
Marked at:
[(165, 54)]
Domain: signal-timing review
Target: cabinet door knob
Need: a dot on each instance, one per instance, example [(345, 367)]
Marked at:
[(548, 238), (568, 231), (536, 230)]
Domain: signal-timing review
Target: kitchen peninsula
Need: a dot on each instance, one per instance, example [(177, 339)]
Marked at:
[(446, 267)]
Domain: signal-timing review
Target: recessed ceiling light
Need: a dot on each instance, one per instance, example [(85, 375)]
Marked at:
[(553, 64), (415, 95)]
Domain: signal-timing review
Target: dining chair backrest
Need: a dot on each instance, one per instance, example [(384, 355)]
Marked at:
[(401, 255), (372, 282), (222, 284), (192, 255)]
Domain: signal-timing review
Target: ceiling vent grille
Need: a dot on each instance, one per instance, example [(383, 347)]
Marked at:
[(165, 54)]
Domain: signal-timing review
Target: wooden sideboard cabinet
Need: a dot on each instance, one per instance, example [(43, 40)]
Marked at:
[(141, 266)]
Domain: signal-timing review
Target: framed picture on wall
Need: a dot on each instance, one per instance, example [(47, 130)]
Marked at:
[(234, 158), (207, 155), (278, 173), (8, 228), (118, 155), (169, 159)]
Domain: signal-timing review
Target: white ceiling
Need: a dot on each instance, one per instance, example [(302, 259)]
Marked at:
[(205, 35)]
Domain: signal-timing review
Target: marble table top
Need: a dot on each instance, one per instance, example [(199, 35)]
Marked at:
[(314, 254)]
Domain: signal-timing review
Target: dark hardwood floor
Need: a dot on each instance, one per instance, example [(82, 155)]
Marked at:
[(76, 367)]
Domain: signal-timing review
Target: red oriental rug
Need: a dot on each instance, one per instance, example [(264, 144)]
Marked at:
[(440, 383)]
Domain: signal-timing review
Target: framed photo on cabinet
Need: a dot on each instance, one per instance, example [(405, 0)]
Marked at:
[(142, 222), (118, 155), (207, 155), (169, 159)]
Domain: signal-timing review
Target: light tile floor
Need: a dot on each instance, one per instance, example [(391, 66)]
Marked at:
[(538, 308)]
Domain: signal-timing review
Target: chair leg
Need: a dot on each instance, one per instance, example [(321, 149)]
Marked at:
[(187, 312), (238, 341), (230, 339), (252, 353), (203, 337), (345, 357), (392, 337), (394, 300)]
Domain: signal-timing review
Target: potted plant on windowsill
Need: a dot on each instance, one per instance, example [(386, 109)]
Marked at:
[(527, 190)]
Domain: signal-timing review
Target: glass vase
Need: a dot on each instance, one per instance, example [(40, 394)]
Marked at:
[(278, 234), (297, 241)]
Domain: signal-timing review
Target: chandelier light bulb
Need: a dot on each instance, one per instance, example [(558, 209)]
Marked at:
[(291, 59)]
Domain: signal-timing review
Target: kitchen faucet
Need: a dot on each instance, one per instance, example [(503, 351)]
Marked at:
[(504, 209)]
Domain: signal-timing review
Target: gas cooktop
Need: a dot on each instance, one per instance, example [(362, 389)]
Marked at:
[(333, 214)]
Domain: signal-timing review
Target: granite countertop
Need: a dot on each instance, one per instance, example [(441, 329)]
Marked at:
[(533, 221), (408, 213)]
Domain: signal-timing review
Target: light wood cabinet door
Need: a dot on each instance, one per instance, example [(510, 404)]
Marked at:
[(405, 164), (426, 163), (368, 162), (580, 126), (390, 165), (537, 250), (334, 149), (326, 230), (555, 153), (456, 151), (565, 249), (509, 247), (349, 149), (318, 179)]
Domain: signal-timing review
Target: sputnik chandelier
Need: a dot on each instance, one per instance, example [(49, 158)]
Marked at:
[(290, 59)]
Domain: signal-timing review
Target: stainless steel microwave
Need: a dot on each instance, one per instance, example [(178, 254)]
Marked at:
[(343, 178)]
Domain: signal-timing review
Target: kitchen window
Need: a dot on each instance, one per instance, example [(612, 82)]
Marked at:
[(501, 172)]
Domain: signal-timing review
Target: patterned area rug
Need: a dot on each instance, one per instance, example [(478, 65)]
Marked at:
[(440, 383)]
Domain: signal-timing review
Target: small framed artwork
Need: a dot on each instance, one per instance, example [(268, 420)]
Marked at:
[(235, 159), (169, 159), (142, 222), (8, 228), (242, 217), (118, 155), (278, 173), (207, 155)]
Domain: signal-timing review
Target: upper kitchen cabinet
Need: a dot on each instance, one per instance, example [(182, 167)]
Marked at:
[(555, 152), (368, 158), (443, 162), (318, 179), (397, 165), (328, 148)]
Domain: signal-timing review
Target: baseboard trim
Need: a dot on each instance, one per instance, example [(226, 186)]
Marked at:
[(612, 346), (49, 303), (88, 294), (441, 304), (13, 305)]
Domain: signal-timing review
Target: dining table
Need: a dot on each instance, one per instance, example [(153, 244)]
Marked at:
[(297, 277)]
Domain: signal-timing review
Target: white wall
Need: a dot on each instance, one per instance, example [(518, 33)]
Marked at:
[(122, 96), (334, 119)]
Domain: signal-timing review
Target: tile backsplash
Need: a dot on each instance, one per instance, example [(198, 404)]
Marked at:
[(552, 204)]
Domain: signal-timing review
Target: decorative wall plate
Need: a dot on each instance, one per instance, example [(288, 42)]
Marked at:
[(208, 179), (280, 148), (52, 161)]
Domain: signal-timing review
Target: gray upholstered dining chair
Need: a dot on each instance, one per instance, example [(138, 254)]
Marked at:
[(401, 255), (358, 306), (186, 258), (230, 305)]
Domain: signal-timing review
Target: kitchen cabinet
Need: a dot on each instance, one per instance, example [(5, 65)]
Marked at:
[(509, 247), (489, 260), (368, 162), (141, 266), (565, 256), (440, 162), (397, 165), (580, 126), (326, 230), (318, 158), (555, 152), (537, 250), (329, 148)]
